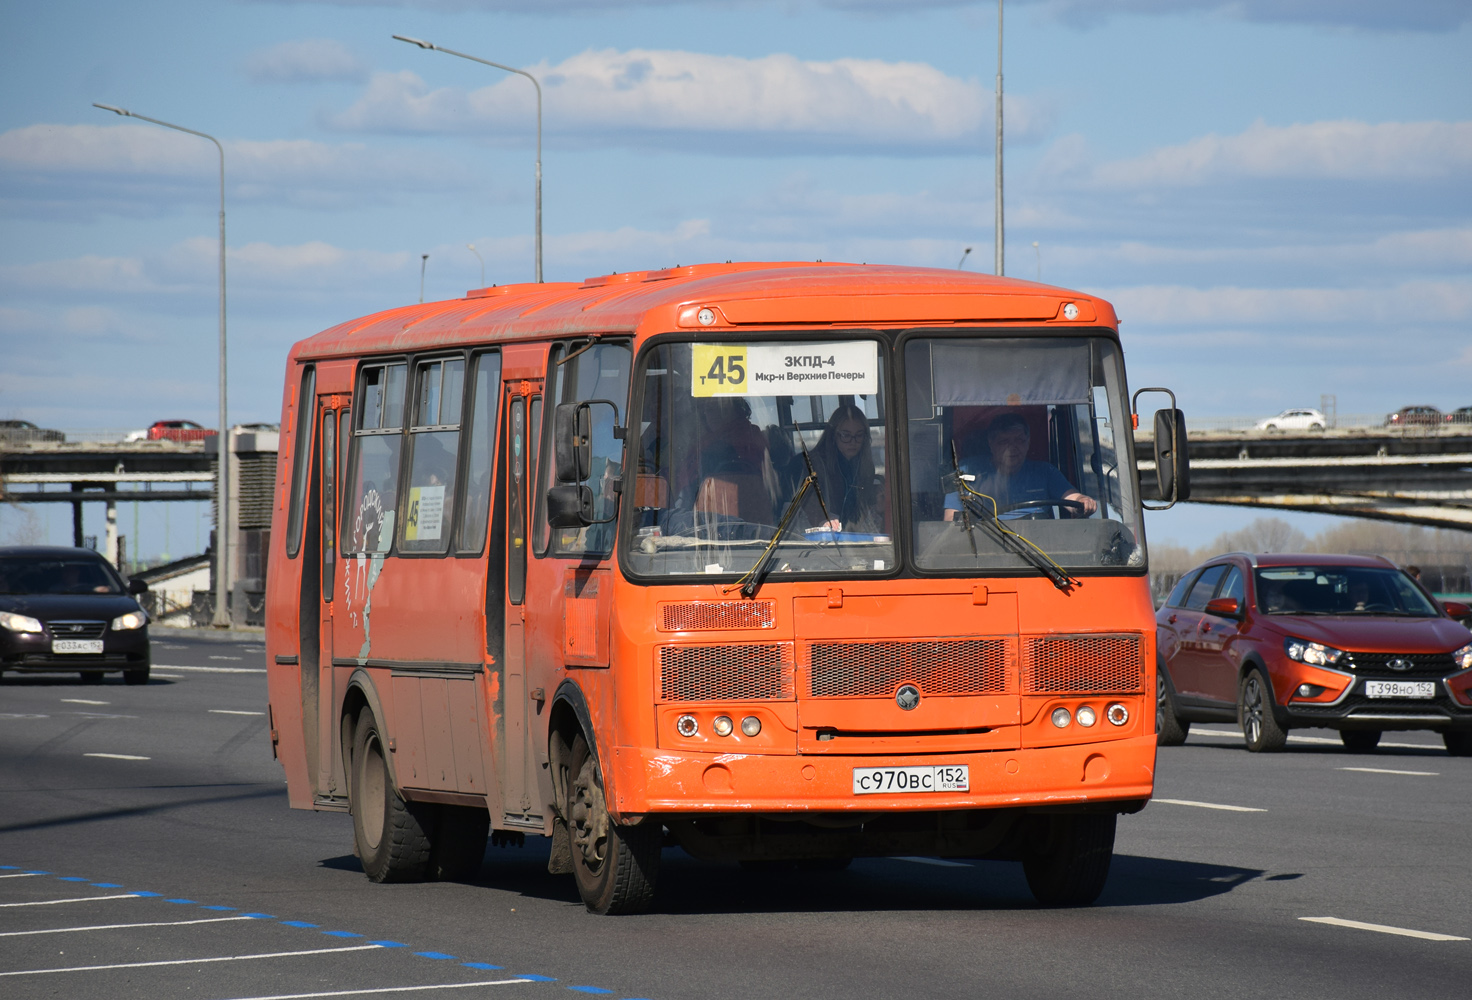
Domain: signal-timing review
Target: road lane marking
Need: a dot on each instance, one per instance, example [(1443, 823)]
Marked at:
[(84, 701), (1386, 770), (212, 670), (110, 927), (389, 989), (191, 961), (213, 657), (1384, 929), (232, 711), (24, 874), (1328, 741), (939, 862), (82, 899), (1209, 805), (117, 756)]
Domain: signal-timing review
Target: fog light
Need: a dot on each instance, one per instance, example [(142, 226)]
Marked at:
[(1117, 714), (751, 726), (1061, 718), (722, 725), (1086, 716), (1309, 690), (686, 725)]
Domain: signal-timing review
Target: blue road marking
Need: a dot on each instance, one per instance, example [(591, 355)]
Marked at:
[(341, 934), (148, 895), (71, 878), (183, 902), (389, 944), (589, 989), (258, 916), (297, 923), (8, 868), (107, 885), (435, 954), (481, 965), (536, 979), (217, 907)]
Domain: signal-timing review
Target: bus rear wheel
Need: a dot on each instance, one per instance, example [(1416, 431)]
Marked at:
[(615, 866), (1071, 864), (389, 833)]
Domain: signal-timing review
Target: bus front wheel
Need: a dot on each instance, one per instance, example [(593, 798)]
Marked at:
[(1071, 862), (389, 833), (615, 866)]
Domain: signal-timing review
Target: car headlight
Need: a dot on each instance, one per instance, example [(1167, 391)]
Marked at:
[(129, 621), (1463, 657), (18, 623), (1313, 653)]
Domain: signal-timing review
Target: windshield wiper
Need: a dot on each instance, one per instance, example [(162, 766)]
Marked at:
[(971, 504), (751, 580)]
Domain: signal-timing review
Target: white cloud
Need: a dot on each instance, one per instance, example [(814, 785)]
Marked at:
[(1330, 150), (710, 104), (310, 60)]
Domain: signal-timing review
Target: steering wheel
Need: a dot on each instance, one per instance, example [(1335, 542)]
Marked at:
[(1059, 502)]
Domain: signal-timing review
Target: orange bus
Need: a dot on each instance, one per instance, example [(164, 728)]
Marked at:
[(779, 563)]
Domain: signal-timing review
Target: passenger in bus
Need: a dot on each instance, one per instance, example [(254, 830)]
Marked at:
[(725, 472), (844, 462), (1009, 477)]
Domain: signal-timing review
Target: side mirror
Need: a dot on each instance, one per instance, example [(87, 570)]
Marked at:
[(569, 506), (572, 427), (137, 586), (1172, 458), (1226, 607), (1456, 609)]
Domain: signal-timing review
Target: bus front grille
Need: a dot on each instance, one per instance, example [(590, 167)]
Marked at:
[(1082, 664), (711, 616), (730, 672), (935, 666)]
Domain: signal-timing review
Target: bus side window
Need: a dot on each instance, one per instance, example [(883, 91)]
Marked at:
[(516, 503), (301, 460), (485, 387), (555, 387), (329, 501), (434, 450), (373, 461), (599, 372)]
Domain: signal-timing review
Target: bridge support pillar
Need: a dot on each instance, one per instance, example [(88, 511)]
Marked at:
[(77, 517), (111, 549)]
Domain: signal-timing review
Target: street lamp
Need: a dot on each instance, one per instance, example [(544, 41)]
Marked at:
[(222, 488), (423, 263), (962, 262), (1040, 259), (1001, 255), (519, 72), (472, 249)]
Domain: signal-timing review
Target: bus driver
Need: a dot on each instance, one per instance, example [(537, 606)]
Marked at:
[(1011, 478)]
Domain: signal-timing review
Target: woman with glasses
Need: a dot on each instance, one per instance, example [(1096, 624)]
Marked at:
[(844, 462)]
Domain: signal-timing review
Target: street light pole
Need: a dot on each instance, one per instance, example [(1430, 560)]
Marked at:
[(423, 263), (1001, 254), (535, 83), (223, 523), (472, 249)]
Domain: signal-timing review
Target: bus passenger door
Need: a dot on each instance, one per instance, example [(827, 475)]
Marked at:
[(334, 427), (520, 805)]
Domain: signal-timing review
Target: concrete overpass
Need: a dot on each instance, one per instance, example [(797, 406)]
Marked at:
[(1408, 475)]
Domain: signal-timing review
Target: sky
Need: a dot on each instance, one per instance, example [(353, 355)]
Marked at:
[(1274, 193)]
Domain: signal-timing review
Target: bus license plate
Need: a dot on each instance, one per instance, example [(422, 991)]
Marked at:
[(76, 645), (940, 778), (1400, 689)]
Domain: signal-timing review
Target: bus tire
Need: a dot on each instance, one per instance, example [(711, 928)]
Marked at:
[(1170, 729), (391, 835), (1260, 729), (615, 866), (1072, 863), (458, 846)]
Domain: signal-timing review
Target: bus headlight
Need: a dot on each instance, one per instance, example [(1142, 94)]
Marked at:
[(686, 726), (722, 725), (751, 726), (1086, 716), (1061, 717)]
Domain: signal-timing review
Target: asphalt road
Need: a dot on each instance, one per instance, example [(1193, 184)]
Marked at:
[(149, 852)]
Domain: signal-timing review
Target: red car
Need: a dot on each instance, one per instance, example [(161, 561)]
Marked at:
[(178, 430), (1408, 415), (1278, 642)]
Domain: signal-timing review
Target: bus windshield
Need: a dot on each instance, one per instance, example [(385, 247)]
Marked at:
[(1015, 450), (788, 446)]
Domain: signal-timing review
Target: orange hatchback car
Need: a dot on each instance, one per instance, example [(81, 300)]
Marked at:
[(1279, 642)]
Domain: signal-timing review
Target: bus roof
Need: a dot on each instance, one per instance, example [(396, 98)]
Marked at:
[(742, 296)]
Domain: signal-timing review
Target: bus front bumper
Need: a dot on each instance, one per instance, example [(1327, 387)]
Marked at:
[(652, 781)]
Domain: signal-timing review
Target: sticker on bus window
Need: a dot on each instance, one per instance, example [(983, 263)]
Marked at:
[(824, 368), (426, 513)]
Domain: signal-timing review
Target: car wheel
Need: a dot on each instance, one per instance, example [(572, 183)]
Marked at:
[(139, 676), (1271, 428), (1260, 729), (1316, 427), (1360, 740), (615, 866), (1170, 729), (1071, 861), (390, 834), (1458, 742)]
